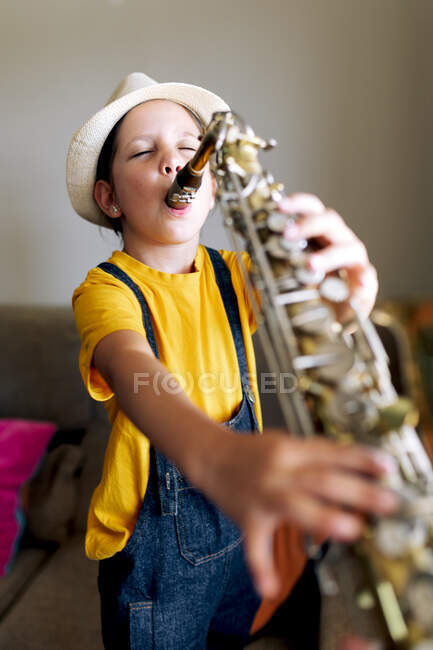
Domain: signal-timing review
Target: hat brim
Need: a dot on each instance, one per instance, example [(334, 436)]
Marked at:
[(87, 142)]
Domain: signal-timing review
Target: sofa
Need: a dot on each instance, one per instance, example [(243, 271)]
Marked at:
[(49, 600)]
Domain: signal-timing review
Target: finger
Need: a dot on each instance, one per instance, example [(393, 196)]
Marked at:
[(320, 451), (363, 278), (259, 554), (349, 490), (301, 203), (327, 224), (339, 256), (319, 518), (368, 277), (363, 286)]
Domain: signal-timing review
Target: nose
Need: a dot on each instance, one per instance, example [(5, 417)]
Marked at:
[(169, 168), (170, 163)]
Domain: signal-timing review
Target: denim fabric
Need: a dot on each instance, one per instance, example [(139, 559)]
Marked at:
[(181, 582), (114, 270)]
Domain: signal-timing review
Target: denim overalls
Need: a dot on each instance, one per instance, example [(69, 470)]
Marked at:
[(181, 582)]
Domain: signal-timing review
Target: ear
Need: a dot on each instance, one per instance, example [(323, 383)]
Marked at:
[(104, 197)]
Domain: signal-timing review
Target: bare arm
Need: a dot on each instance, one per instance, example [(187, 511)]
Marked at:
[(172, 422), (259, 481)]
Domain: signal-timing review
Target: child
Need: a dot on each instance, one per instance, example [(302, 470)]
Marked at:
[(166, 336)]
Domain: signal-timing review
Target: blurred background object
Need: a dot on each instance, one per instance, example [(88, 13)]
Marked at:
[(346, 88)]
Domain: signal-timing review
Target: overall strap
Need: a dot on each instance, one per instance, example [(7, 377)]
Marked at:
[(164, 468), (114, 270), (166, 472), (228, 295)]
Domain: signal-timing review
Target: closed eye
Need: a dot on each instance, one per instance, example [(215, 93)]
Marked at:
[(140, 153), (188, 148)]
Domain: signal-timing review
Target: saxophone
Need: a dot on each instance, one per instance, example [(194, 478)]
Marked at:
[(343, 384)]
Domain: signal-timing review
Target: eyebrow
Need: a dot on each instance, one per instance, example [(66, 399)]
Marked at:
[(145, 136), (191, 134)]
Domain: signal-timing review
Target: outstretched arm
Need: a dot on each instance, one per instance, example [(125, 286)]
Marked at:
[(259, 481)]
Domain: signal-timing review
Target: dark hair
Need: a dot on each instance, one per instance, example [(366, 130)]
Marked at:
[(104, 168)]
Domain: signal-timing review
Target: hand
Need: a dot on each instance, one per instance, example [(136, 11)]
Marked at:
[(341, 248), (320, 486)]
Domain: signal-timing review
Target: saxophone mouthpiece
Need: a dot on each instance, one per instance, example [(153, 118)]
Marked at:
[(189, 178), (184, 188)]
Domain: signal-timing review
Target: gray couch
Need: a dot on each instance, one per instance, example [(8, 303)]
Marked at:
[(49, 601)]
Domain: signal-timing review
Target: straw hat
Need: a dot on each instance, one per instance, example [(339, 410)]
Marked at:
[(88, 141)]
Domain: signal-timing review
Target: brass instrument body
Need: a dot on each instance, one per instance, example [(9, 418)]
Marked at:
[(343, 385)]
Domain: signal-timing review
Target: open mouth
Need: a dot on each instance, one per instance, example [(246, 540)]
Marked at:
[(179, 212)]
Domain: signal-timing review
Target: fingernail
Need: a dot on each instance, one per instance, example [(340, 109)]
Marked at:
[(347, 528), (291, 231), (387, 462)]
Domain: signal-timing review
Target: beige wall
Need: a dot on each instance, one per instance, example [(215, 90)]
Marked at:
[(344, 85)]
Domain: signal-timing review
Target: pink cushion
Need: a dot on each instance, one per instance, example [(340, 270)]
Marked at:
[(22, 446)]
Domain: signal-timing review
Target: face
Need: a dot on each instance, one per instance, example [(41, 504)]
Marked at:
[(154, 141)]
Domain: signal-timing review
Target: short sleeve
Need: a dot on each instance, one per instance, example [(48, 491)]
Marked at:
[(100, 308), (246, 259)]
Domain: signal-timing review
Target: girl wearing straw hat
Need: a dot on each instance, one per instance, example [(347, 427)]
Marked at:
[(185, 514)]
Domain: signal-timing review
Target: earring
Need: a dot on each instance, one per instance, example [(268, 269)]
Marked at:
[(114, 209)]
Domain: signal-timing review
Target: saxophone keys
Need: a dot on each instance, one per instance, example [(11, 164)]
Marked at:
[(312, 319), (421, 506), (401, 411), (295, 248), (365, 599), (334, 289), (269, 144), (331, 361), (419, 598), (397, 537), (286, 283), (244, 154), (280, 248), (276, 190), (294, 297), (277, 222), (308, 276), (274, 249), (352, 412), (391, 611)]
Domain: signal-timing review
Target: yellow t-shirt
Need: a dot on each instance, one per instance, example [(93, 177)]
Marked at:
[(195, 344)]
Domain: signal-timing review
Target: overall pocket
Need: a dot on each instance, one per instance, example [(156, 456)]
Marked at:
[(141, 625), (204, 532)]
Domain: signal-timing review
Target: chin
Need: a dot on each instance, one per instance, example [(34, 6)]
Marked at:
[(180, 236)]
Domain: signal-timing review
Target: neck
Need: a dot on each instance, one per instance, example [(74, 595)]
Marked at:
[(169, 258)]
